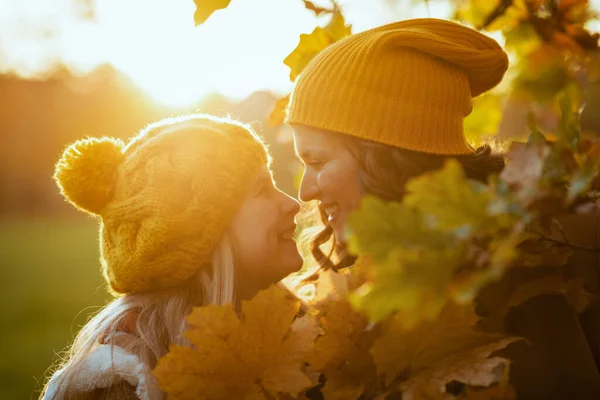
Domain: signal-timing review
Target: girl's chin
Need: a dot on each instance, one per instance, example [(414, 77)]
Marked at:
[(293, 260)]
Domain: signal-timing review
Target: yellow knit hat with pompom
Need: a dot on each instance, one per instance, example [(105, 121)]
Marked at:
[(408, 84), (165, 199)]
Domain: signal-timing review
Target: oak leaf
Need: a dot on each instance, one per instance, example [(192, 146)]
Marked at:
[(312, 44), (277, 116), (472, 367), (399, 350), (524, 170), (495, 392), (256, 356)]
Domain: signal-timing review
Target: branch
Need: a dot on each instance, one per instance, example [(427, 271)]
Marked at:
[(565, 244), (498, 12)]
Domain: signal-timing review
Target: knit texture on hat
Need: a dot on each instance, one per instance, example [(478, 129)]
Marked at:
[(408, 84), (165, 199)]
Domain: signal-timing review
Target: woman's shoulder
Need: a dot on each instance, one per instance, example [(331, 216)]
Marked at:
[(109, 372)]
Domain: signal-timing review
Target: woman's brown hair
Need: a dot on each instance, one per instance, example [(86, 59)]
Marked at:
[(385, 170)]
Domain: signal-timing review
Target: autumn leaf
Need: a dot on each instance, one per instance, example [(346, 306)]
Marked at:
[(471, 367), (524, 170), (312, 44), (340, 386), (553, 283), (537, 252), (309, 5), (342, 351), (205, 8), (257, 356), (399, 350), (277, 116), (495, 392)]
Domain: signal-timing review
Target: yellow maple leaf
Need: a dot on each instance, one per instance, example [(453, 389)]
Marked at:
[(312, 44), (257, 356), (342, 351), (205, 8), (341, 386), (399, 350)]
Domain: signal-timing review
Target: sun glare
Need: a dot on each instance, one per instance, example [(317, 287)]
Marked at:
[(158, 50), (155, 44), (235, 53)]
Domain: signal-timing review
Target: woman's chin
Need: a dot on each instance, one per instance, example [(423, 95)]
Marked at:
[(340, 236)]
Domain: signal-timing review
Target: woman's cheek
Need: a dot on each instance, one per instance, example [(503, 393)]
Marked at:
[(329, 180)]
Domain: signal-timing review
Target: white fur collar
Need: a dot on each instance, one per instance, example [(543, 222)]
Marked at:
[(106, 366)]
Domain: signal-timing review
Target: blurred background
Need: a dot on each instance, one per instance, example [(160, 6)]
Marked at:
[(76, 68)]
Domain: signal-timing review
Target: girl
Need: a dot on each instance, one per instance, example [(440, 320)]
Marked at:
[(189, 216)]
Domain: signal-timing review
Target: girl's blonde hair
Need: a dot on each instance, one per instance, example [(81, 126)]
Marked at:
[(160, 317)]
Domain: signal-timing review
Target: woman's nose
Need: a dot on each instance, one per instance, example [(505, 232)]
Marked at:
[(309, 190)]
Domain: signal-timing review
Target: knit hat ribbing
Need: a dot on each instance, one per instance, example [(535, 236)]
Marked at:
[(408, 84), (165, 199)]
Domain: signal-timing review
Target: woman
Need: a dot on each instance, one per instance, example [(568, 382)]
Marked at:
[(189, 216), (380, 107)]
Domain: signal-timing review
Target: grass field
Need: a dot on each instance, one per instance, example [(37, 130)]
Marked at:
[(50, 282)]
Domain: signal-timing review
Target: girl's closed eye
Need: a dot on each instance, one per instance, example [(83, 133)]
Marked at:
[(259, 189), (262, 188)]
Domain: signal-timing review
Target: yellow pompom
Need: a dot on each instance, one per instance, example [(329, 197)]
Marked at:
[(87, 170)]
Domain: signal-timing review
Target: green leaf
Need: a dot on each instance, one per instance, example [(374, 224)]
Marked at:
[(411, 262), (452, 202), (445, 223)]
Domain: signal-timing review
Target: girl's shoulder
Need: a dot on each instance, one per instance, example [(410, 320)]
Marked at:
[(109, 372)]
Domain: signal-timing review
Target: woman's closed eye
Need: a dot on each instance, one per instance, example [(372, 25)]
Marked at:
[(316, 164)]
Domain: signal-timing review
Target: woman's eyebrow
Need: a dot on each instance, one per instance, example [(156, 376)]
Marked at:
[(307, 154)]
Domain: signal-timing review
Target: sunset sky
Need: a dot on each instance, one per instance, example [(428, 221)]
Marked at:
[(154, 42)]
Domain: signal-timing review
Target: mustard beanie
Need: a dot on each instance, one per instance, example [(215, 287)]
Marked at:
[(164, 199), (408, 84)]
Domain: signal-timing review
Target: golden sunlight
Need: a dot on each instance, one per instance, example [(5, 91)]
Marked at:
[(155, 44)]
